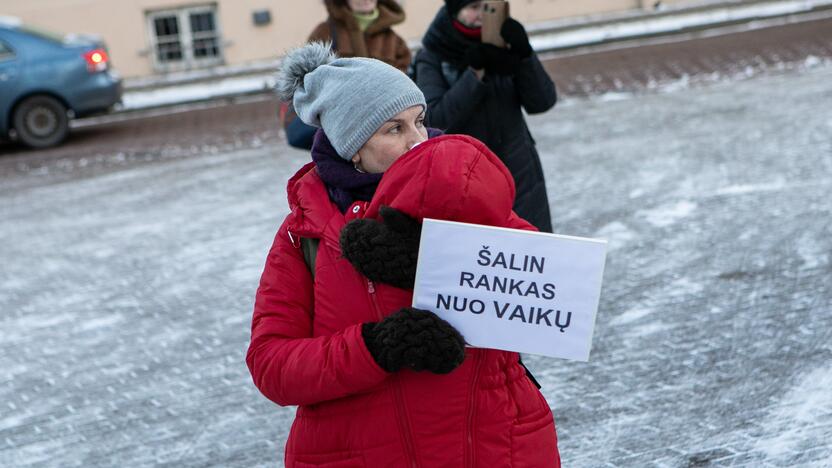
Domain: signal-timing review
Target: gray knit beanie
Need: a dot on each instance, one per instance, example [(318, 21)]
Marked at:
[(350, 98)]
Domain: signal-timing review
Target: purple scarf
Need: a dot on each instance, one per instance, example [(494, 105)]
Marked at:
[(343, 182)]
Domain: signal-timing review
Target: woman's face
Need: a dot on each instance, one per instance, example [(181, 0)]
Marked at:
[(393, 139), (471, 15), (362, 6)]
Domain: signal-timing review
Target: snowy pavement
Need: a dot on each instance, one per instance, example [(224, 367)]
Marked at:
[(714, 336), (125, 297)]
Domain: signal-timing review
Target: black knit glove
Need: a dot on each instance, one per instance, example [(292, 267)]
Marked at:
[(384, 251), (416, 339), (515, 35), (494, 60)]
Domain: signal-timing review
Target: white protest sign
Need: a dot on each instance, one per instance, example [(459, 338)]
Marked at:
[(509, 289)]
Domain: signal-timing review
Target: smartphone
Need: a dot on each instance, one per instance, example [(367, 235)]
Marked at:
[(494, 13)]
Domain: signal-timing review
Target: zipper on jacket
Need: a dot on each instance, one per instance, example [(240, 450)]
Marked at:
[(404, 422), (469, 430)]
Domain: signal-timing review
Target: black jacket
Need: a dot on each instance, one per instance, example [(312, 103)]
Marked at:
[(489, 110)]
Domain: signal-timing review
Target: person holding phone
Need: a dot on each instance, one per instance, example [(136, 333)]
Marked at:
[(481, 89)]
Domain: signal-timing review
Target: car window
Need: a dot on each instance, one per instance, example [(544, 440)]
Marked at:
[(6, 52)]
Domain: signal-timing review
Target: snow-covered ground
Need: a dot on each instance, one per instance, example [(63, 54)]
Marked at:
[(125, 298), (714, 337)]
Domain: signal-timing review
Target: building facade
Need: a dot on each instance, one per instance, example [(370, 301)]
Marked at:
[(147, 37)]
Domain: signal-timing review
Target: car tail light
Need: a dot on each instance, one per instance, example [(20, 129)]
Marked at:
[(97, 60)]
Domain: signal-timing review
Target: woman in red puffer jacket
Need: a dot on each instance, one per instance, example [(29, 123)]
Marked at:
[(378, 383)]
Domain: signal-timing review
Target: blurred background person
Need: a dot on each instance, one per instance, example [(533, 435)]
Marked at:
[(363, 28), (356, 28), (481, 90)]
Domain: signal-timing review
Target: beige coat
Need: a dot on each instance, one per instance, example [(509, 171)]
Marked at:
[(379, 41)]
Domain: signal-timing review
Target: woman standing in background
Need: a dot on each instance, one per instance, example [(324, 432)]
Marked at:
[(362, 28), (481, 90), (356, 28)]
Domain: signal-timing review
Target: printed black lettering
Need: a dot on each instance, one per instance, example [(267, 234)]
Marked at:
[(442, 302), (485, 256), (544, 316), (548, 291), (514, 287), (511, 265), (537, 265), (500, 260), (500, 311), (532, 290), (500, 284), (564, 325), (483, 283), (518, 312)]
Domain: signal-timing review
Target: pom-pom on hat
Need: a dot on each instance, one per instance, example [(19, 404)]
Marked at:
[(350, 98)]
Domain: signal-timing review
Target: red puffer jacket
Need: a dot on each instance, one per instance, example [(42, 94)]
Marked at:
[(306, 347)]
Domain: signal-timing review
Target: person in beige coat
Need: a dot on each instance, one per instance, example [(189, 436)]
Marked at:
[(355, 28), (362, 28)]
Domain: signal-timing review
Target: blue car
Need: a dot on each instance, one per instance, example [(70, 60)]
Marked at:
[(46, 79)]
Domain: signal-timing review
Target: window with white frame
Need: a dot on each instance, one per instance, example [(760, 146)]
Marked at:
[(185, 38)]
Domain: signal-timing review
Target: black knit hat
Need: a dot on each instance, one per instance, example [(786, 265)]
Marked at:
[(455, 5)]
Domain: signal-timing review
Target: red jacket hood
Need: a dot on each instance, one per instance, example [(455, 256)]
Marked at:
[(452, 177)]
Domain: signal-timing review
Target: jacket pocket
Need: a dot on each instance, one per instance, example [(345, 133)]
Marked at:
[(534, 444), (534, 441)]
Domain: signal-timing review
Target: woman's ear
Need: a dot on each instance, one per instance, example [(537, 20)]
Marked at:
[(356, 163)]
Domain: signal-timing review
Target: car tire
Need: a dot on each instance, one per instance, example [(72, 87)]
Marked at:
[(41, 121)]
